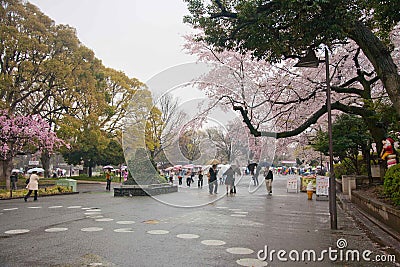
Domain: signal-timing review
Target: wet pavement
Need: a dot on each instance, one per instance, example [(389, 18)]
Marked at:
[(187, 228)]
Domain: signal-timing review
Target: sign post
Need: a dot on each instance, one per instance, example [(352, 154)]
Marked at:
[(322, 188), (292, 184)]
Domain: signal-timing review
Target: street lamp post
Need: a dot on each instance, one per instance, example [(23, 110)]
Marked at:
[(311, 61)]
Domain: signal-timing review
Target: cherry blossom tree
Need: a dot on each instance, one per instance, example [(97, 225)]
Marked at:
[(23, 134), (275, 30), (292, 100)]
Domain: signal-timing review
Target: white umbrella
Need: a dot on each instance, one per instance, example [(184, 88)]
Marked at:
[(213, 161), (108, 167), (189, 166), (36, 170), (177, 167)]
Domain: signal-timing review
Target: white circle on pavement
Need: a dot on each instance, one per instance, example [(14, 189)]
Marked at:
[(74, 207), (11, 209), (241, 212), (92, 229), (238, 215), (35, 207), (125, 222), (92, 213), (251, 262), (104, 220), (158, 232), (55, 207), (187, 236), (17, 231), (240, 251), (55, 230), (213, 242), (124, 230), (94, 216)]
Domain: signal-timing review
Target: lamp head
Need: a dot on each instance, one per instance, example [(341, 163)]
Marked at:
[(309, 61)]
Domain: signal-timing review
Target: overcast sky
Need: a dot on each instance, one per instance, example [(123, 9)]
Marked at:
[(138, 37)]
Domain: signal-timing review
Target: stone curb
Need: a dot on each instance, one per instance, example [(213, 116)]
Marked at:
[(374, 229), (62, 194)]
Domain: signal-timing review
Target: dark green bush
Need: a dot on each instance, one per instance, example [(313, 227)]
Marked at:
[(340, 169), (391, 184), (346, 167)]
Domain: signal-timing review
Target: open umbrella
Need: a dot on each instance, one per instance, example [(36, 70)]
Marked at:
[(36, 170), (213, 161), (108, 167), (177, 167), (189, 166)]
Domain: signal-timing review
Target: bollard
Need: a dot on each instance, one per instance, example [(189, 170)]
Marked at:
[(310, 190)]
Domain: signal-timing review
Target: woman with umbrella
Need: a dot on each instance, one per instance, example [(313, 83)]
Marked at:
[(33, 185), (230, 180), (108, 176)]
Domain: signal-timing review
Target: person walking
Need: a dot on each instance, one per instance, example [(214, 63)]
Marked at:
[(256, 174), (251, 167), (200, 181), (229, 180), (269, 177), (33, 185), (237, 171), (212, 179), (188, 178), (14, 180), (192, 173), (126, 173), (108, 180), (180, 176)]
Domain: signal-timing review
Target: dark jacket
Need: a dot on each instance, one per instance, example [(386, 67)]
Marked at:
[(14, 177), (270, 175), (213, 174)]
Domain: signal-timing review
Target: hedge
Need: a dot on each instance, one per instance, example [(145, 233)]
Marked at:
[(391, 184)]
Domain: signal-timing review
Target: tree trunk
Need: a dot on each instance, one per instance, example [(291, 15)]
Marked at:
[(45, 158), (6, 167), (377, 133), (379, 56)]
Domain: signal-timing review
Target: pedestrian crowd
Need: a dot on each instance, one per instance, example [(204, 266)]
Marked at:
[(218, 176)]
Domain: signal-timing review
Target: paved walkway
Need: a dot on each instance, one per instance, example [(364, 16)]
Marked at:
[(188, 228)]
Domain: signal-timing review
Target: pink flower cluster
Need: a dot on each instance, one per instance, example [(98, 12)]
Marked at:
[(25, 133)]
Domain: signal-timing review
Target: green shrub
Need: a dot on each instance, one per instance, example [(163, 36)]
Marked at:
[(340, 169), (391, 184), (343, 168), (347, 167)]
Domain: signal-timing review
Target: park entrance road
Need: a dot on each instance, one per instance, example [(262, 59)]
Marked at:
[(187, 228)]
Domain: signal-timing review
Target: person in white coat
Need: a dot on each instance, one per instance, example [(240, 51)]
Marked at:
[(33, 185)]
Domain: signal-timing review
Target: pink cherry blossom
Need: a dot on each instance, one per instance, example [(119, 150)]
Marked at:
[(25, 134)]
